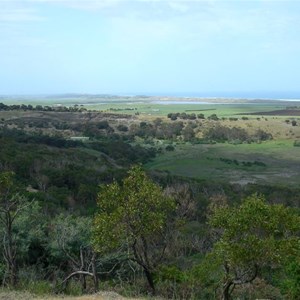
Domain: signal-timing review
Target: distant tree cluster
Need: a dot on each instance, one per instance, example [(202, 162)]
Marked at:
[(184, 116), (29, 107), (243, 163), (221, 133), (157, 129)]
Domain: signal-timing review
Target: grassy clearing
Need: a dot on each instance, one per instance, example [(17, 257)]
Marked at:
[(234, 163)]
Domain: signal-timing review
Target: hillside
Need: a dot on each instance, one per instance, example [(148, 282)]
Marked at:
[(147, 204)]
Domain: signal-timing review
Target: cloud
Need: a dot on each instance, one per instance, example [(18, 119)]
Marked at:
[(179, 6), (19, 15), (90, 5)]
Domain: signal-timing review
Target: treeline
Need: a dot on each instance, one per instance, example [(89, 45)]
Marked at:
[(201, 116), (29, 107)]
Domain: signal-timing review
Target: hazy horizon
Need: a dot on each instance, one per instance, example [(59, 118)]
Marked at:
[(233, 95)]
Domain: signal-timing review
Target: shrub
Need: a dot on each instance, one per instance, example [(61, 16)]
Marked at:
[(170, 148), (213, 117), (122, 127), (296, 143)]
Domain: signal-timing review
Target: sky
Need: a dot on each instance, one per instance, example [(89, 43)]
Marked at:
[(150, 47)]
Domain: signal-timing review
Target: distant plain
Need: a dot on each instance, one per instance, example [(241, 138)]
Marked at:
[(221, 161)]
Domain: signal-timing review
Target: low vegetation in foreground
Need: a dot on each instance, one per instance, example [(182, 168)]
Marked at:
[(199, 203)]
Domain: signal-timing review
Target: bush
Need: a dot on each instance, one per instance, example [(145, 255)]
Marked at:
[(170, 148), (103, 125), (123, 128), (296, 143), (213, 117), (73, 288)]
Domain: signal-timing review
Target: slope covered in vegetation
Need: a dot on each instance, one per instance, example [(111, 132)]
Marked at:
[(80, 214)]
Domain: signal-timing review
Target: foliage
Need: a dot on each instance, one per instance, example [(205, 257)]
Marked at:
[(19, 226), (222, 133), (135, 209), (146, 230), (296, 143), (170, 148), (290, 281), (252, 236), (134, 215), (69, 233)]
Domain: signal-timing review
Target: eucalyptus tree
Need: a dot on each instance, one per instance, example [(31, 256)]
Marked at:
[(133, 215), (252, 236)]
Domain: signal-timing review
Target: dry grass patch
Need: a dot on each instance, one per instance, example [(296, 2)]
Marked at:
[(15, 295)]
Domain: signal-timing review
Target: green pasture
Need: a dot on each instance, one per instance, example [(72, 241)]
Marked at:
[(153, 108), (158, 110), (281, 159)]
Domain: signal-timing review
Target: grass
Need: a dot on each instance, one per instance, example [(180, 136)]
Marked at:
[(158, 110), (16, 295), (216, 162)]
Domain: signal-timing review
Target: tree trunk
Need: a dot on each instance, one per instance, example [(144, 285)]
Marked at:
[(95, 275), (10, 253), (83, 281), (226, 290), (149, 277)]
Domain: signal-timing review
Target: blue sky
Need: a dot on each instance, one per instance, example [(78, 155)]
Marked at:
[(183, 47)]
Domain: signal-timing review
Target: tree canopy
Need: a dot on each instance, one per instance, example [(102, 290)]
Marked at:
[(252, 236), (133, 214)]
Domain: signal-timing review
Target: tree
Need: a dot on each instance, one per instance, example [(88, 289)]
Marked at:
[(70, 241), (213, 117), (11, 206), (133, 215), (188, 133), (253, 236)]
